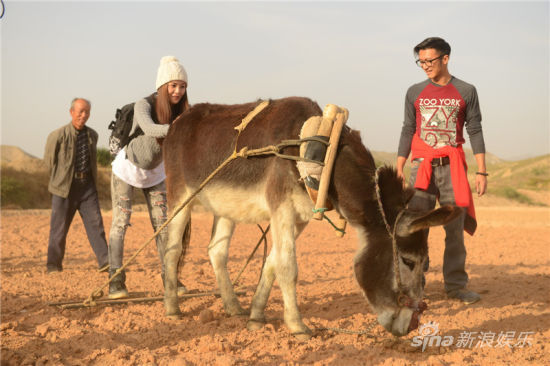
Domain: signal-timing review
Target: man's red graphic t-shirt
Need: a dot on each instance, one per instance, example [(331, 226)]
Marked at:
[(435, 117), (438, 115)]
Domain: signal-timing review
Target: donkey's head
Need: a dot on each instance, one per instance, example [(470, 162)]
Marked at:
[(389, 267)]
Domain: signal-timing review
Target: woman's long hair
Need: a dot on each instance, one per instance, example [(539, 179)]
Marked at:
[(165, 112)]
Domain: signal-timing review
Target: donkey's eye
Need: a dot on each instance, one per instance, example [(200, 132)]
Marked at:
[(408, 262)]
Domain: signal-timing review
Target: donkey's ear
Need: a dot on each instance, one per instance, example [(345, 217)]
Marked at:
[(408, 193), (441, 216), (390, 190)]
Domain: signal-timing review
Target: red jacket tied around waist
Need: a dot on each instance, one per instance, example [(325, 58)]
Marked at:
[(459, 179)]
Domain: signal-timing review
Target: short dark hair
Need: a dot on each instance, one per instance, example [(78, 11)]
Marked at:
[(436, 43)]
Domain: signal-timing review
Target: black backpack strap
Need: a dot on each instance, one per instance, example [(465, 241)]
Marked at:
[(152, 100)]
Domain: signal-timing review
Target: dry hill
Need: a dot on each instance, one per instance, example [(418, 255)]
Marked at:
[(14, 157), (25, 180)]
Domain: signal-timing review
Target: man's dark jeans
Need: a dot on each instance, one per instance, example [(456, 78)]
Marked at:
[(82, 197), (454, 257)]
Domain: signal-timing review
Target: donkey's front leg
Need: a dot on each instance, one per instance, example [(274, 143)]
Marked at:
[(286, 269), (218, 249), (173, 252)]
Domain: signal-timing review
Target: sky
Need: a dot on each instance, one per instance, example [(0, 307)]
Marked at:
[(358, 55)]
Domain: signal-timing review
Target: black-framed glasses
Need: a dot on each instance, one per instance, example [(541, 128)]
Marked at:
[(428, 63)]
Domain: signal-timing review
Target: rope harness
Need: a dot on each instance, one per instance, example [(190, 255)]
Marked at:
[(402, 299), (322, 210), (392, 234), (244, 152)]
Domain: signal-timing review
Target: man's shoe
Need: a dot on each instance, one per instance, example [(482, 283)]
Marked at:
[(117, 287), (466, 296), (118, 293), (53, 269), (103, 268)]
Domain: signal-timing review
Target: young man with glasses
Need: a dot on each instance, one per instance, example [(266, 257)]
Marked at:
[(436, 112)]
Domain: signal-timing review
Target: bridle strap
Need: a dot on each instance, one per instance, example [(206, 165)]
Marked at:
[(402, 297)]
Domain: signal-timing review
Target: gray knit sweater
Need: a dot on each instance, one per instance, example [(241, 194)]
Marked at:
[(144, 151)]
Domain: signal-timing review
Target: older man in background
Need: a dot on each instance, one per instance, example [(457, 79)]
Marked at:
[(70, 156)]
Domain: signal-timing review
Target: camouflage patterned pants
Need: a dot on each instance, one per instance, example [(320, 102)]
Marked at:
[(121, 195)]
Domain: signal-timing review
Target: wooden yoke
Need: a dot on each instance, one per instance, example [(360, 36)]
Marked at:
[(339, 116), (329, 115)]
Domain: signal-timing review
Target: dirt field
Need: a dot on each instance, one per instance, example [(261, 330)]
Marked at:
[(508, 263)]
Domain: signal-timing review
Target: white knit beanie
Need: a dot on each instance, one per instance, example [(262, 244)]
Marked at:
[(170, 69)]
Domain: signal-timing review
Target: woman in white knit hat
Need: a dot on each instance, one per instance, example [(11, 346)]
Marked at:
[(140, 165)]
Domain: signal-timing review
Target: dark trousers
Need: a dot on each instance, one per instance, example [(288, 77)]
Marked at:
[(82, 197), (454, 257)]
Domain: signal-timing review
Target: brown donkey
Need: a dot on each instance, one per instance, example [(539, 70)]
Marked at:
[(269, 188)]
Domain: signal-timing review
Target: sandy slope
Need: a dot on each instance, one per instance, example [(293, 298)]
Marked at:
[(14, 157), (508, 263)]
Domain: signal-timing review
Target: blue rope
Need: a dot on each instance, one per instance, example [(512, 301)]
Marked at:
[(322, 210)]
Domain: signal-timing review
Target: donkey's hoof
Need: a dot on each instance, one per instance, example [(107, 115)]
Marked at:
[(174, 315), (255, 324), (302, 336)]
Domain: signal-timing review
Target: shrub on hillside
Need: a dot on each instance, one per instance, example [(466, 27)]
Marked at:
[(20, 189), (104, 156), (512, 194)]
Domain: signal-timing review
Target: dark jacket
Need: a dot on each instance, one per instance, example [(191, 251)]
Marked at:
[(59, 156)]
